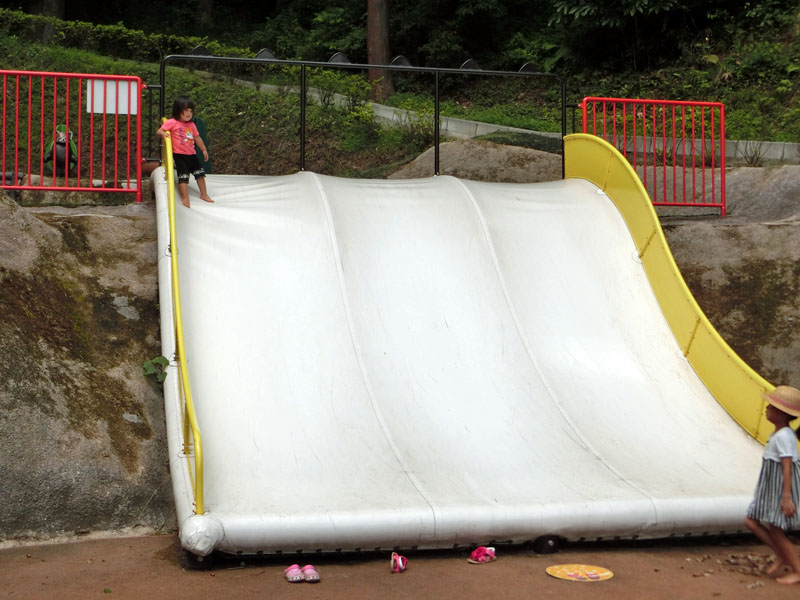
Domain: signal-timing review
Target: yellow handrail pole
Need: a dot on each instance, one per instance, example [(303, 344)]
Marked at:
[(166, 155)]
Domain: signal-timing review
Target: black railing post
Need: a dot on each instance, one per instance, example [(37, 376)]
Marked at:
[(151, 130), (161, 83), (302, 117), (563, 122), (395, 66), (436, 123)]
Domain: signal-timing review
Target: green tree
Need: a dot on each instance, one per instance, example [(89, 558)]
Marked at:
[(641, 33), (609, 13), (445, 33)]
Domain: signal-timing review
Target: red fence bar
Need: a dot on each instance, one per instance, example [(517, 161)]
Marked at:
[(52, 146), (5, 95), (667, 142)]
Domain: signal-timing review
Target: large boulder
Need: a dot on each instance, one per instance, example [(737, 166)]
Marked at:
[(82, 434)]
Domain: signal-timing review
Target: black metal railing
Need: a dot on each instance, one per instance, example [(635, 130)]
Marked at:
[(469, 68)]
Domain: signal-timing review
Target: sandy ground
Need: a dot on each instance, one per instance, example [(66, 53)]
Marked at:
[(150, 567)]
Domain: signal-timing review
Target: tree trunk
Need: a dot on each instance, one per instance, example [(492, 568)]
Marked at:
[(50, 8), (378, 47), (205, 12), (53, 8)]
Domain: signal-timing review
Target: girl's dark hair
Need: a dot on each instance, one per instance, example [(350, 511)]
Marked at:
[(181, 103), (791, 418)]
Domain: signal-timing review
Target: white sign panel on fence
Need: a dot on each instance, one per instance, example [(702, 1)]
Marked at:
[(112, 96)]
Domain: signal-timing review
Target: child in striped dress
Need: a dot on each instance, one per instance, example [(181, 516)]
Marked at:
[(773, 510)]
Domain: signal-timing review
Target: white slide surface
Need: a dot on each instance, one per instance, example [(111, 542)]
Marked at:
[(434, 362)]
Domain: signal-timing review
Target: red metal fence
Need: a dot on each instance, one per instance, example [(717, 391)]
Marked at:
[(676, 147), (71, 132)]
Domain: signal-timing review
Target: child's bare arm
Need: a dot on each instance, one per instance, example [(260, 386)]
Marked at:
[(162, 133), (202, 145), (787, 504)]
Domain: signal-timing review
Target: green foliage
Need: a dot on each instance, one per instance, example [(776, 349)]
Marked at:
[(359, 129), (417, 125), (445, 47), (617, 32), (289, 34), (767, 14), (108, 40), (546, 53), (526, 103), (156, 368), (283, 34), (390, 138), (649, 33), (447, 32), (353, 90), (252, 131), (608, 13), (761, 61), (535, 117), (337, 29)]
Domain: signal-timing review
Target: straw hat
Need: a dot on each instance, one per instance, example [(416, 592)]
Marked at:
[(785, 398)]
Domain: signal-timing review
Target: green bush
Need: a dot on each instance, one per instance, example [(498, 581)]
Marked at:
[(390, 138), (359, 129), (108, 40), (418, 123), (328, 83)]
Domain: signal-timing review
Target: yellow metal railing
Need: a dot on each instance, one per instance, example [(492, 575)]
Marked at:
[(730, 380), (190, 427)]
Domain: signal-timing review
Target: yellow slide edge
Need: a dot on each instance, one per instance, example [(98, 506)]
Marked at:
[(736, 386)]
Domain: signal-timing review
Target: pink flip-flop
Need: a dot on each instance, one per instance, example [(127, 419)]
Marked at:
[(482, 554), (293, 574), (310, 574), (399, 563)]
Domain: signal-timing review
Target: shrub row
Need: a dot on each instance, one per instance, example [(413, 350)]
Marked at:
[(110, 40)]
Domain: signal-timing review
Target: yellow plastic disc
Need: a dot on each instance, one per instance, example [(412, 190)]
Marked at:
[(579, 572)]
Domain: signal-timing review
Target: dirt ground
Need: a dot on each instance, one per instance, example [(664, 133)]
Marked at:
[(150, 567)]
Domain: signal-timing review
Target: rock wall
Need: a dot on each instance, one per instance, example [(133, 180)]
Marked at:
[(82, 435), (746, 279), (744, 269)]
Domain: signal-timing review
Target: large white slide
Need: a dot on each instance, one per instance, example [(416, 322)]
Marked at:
[(430, 363)]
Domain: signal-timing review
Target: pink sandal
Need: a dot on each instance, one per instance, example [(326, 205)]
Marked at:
[(482, 554), (310, 574), (293, 574), (399, 563)]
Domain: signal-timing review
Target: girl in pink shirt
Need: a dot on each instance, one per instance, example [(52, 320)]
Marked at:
[(184, 135)]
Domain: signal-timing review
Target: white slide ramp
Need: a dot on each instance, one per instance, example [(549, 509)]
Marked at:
[(434, 362)]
